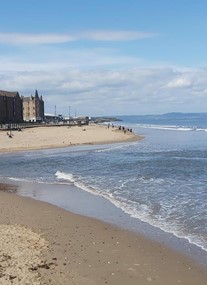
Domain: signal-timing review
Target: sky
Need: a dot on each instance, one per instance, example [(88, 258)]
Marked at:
[(106, 57)]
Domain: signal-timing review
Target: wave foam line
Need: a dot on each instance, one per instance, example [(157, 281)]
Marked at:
[(19, 179), (32, 181), (142, 216), (171, 128), (65, 176), (75, 180), (126, 145)]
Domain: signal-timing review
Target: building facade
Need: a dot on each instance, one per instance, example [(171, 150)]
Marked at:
[(33, 108), (10, 107)]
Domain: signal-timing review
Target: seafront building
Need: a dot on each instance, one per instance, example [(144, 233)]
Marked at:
[(10, 107), (33, 108)]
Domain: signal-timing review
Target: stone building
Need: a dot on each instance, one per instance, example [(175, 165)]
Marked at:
[(10, 107), (33, 108)]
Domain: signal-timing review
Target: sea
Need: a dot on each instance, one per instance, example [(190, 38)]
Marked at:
[(156, 186)]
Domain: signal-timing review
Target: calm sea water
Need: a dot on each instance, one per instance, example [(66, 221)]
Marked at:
[(161, 180)]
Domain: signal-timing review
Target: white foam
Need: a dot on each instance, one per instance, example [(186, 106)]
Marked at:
[(172, 228), (170, 127), (144, 216), (76, 181), (143, 213), (122, 146), (19, 179), (65, 176)]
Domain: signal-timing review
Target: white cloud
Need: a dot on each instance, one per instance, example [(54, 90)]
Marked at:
[(48, 58), (22, 39), (179, 83), (108, 92), (115, 35), (101, 81), (99, 35)]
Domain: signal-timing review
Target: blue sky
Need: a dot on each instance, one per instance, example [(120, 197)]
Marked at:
[(106, 57)]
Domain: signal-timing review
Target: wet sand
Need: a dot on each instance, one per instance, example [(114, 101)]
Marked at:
[(64, 248)]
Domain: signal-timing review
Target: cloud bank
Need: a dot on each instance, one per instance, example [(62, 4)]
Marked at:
[(97, 80), (99, 35), (108, 92)]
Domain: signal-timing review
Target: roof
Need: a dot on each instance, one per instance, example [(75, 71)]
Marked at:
[(8, 93), (28, 98)]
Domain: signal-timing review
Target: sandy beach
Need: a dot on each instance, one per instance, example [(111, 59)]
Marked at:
[(43, 244), (62, 136)]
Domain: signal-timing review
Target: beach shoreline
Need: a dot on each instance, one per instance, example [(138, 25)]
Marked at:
[(63, 136), (88, 251), (76, 248), (85, 203)]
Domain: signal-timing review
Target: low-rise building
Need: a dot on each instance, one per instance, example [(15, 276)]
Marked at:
[(33, 108), (10, 107)]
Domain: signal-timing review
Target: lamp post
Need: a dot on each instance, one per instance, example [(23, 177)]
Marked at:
[(69, 114)]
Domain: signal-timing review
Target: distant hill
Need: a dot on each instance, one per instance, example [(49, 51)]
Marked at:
[(104, 119)]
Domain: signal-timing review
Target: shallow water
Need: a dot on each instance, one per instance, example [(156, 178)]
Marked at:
[(160, 180)]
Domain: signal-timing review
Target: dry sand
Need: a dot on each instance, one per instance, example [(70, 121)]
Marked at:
[(63, 248), (20, 254), (61, 136)]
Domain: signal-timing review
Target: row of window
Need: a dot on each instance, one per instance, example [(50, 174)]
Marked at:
[(28, 108)]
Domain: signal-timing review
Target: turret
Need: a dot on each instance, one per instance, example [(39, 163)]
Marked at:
[(36, 95)]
